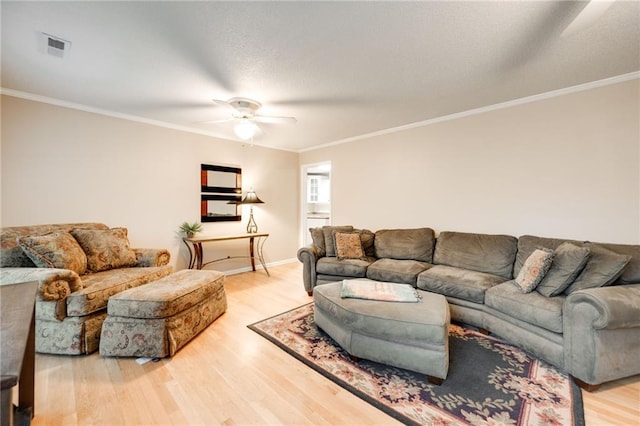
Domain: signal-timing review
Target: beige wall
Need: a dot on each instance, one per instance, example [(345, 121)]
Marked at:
[(65, 165), (567, 166)]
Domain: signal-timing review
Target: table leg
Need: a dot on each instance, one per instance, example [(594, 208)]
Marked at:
[(197, 248), (192, 260), (253, 260), (261, 242), (26, 399)]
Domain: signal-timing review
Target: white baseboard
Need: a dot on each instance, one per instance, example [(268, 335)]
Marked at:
[(259, 267)]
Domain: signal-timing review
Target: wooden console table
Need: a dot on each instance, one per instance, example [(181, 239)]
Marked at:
[(256, 241), (18, 351)]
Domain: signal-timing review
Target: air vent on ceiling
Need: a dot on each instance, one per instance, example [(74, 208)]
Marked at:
[(55, 46)]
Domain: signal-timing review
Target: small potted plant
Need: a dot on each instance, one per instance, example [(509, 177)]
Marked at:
[(190, 229)]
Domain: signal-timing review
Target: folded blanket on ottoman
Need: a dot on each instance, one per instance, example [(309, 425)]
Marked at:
[(364, 288)]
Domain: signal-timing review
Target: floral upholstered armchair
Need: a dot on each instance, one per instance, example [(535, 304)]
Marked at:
[(78, 266)]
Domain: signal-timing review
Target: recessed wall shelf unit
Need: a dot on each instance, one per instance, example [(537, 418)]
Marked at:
[(221, 188)]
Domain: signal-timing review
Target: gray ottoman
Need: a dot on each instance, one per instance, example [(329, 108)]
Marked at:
[(157, 319), (413, 336)]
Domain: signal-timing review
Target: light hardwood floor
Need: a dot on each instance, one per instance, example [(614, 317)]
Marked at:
[(230, 375)]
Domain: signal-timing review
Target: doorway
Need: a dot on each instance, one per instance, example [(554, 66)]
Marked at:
[(316, 198)]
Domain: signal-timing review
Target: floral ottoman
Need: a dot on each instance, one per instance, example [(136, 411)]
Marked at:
[(157, 319)]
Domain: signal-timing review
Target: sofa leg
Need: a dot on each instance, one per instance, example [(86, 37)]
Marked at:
[(354, 358), (586, 386), (483, 331), (310, 293), (435, 380)]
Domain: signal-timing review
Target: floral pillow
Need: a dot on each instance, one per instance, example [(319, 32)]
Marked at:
[(105, 249), (348, 245), (54, 250), (534, 269)]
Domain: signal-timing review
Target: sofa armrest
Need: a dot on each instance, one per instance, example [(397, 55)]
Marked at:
[(602, 333), (615, 306), (309, 256), (53, 284), (146, 257)]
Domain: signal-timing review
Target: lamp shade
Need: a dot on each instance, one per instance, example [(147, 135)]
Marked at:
[(251, 198)]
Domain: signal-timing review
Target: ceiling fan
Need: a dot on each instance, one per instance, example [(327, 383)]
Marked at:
[(243, 110)]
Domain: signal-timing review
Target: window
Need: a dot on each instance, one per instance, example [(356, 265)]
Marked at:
[(318, 188)]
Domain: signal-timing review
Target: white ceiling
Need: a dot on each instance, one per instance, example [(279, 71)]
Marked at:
[(344, 69)]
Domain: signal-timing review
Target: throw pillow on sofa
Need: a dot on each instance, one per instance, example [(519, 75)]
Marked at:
[(105, 249), (534, 270), (348, 245), (329, 245), (603, 268), (318, 236), (54, 250), (568, 261)]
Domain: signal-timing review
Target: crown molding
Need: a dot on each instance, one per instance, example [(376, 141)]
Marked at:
[(481, 110), (128, 117), (455, 116)]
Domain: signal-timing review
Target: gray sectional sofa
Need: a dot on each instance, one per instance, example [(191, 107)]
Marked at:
[(583, 317)]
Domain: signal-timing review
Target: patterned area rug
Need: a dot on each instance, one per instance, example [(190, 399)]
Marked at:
[(489, 382)]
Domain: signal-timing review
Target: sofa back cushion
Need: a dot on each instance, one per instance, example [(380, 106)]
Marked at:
[(12, 255), (493, 254), (323, 238), (603, 268), (568, 261), (405, 244), (630, 274)]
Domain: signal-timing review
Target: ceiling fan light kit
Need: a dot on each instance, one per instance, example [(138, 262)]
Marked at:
[(243, 111), (245, 129)]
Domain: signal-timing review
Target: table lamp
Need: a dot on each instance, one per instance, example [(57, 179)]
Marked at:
[(251, 198)]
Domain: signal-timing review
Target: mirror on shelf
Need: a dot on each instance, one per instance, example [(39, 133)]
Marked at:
[(222, 188)]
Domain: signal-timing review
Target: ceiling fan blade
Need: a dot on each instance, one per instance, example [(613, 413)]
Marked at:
[(587, 16), (222, 103), (274, 119), (224, 120)]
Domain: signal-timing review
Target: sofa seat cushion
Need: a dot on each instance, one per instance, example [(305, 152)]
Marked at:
[(533, 308), (493, 254), (397, 271), (344, 268), (460, 283), (100, 286)]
